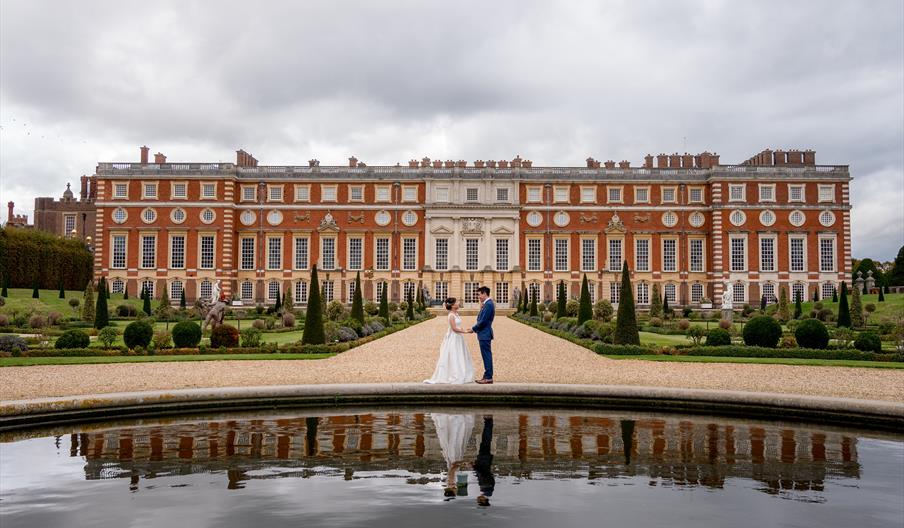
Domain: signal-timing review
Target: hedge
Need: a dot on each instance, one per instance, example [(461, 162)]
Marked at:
[(749, 352), (30, 257)]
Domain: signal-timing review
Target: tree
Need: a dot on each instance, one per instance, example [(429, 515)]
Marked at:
[(834, 295), (784, 311), (88, 304), (287, 302), (533, 305), (34, 292), (277, 303), (358, 301), (666, 311), (313, 322), (182, 304), (163, 307), (5, 292), (125, 292), (856, 308), (798, 307), (409, 312), (146, 301), (585, 311), (101, 312), (62, 290), (763, 304), (865, 266), (655, 302), (384, 302), (882, 294), (844, 313), (561, 300), (626, 320)]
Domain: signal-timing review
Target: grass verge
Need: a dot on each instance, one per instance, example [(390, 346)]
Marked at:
[(91, 360), (765, 361)]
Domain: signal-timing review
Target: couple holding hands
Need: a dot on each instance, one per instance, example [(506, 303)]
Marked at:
[(454, 365)]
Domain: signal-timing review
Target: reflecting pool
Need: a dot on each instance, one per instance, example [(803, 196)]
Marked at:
[(451, 466)]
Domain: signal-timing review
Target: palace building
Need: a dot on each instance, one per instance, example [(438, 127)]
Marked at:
[(685, 222)]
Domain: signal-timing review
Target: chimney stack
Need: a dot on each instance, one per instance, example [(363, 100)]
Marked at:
[(687, 161), (159, 158), (92, 186), (9, 214), (662, 161), (144, 155), (83, 193), (590, 163), (352, 162), (412, 164), (648, 161), (809, 157), (795, 157), (624, 164), (609, 164)]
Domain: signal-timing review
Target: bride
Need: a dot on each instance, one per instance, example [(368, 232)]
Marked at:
[(454, 365)]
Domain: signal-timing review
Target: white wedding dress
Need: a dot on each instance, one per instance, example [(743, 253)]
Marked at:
[(454, 365)]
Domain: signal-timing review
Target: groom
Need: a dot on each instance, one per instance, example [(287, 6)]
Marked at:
[(484, 331)]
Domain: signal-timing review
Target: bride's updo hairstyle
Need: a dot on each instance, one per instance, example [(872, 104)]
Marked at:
[(449, 302)]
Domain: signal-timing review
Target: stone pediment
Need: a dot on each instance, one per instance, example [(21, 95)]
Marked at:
[(328, 223), (502, 230), (615, 225), (441, 230)]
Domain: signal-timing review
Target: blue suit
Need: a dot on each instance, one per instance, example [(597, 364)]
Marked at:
[(484, 331)]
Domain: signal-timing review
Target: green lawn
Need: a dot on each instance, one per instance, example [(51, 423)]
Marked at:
[(649, 338), (894, 302), (778, 361), (26, 362)]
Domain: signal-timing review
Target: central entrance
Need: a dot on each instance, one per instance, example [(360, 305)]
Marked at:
[(471, 300)]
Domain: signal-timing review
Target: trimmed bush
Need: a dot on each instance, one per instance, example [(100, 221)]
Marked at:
[(346, 334), (371, 308), (603, 310), (725, 324), (626, 332), (12, 344), (138, 334), (186, 334), (73, 339), (811, 333), (844, 312), (224, 336), (288, 319), (4, 320), (762, 331), (251, 337), (684, 324), (37, 321), (101, 311), (358, 301), (162, 339), (585, 308), (868, 341), (259, 324), (126, 310), (622, 350), (107, 336), (718, 337)]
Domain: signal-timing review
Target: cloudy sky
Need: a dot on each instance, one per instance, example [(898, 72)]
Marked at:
[(82, 82)]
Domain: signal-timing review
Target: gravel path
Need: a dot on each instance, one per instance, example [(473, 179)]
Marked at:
[(521, 354)]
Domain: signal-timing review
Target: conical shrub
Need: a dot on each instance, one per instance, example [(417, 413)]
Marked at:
[(313, 322), (626, 332)]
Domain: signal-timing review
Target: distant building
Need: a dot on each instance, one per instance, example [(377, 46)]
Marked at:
[(14, 220), (68, 217)]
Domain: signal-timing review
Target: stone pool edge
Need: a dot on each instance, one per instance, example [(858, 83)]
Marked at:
[(41, 412)]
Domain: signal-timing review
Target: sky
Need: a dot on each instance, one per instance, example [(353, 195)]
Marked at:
[(387, 81)]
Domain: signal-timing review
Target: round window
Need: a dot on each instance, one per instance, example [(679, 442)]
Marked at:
[(120, 215), (738, 218), (409, 218), (767, 218), (274, 218), (148, 215), (208, 216), (534, 219), (561, 219), (177, 216), (797, 218), (248, 217), (669, 219), (382, 218), (827, 218), (697, 219)]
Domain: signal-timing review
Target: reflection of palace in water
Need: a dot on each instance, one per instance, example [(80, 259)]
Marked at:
[(537, 446)]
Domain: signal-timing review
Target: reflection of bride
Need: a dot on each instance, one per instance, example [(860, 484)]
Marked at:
[(453, 432)]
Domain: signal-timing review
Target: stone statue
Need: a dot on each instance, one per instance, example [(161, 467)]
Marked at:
[(215, 307), (727, 302)]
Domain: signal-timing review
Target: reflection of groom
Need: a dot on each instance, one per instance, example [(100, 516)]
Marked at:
[(483, 466), (484, 331)]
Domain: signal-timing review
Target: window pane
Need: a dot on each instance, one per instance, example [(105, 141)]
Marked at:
[(642, 256), (382, 260), (355, 253), (615, 254), (696, 248), (533, 254), (409, 254), (329, 253), (668, 255), (247, 253), (471, 255), (274, 253), (561, 254), (738, 254), (502, 260), (588, 254), (119, 252), (442, 254), (798, 249), (767, 254)]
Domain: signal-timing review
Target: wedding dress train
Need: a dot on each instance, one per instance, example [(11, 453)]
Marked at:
[(454, 365)]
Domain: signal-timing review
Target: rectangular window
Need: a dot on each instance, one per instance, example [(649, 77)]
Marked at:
[(668, 195), (669, 251), (643, 293), (68, 225), (767, 192), (471, 256), (696, 255), (669, 292), (119, 252), (738, 254), (207, 252), (768, 291), (471, 194), (247, 291), (275, 194), (378, 294), (615, 195), (149, 251), (301, 292), (148, 286), (827, 193), (502, 254), (249, 193), (206, 289), (641, 254), (534, 194), (533, 292), (409, 254), (471, 292), (355, 193), (641, 195), (696, 292), (614, 292), (355, 252), (767, 254), (328, 253), (177, 251), (383, 193), (826, 254), (441, 291), (274, 253), (441, 259), (409, 291), (736, 193), (248, 253), (327, 292), (179, 191), (382, 256), (533, 254), (442, 195), (588, 254), (798, 291), (588, 194), (591, 289), (615, 254), (327, 193), (560, 194), (301, 252), (501, 293), (795, 193), (302, 193), (828, 289), (272, 290), (150, 190), (561, 254), (208, 191), (502, 194), (409, 193), (175, 290), (739, 292), (695, 195), (120, 190), (798, 254), (351, 291)]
